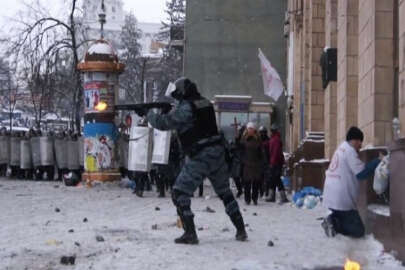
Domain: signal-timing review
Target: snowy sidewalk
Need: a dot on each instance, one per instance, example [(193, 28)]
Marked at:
[(35, 235)]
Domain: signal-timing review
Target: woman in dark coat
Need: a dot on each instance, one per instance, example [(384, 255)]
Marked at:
[(253, 160)]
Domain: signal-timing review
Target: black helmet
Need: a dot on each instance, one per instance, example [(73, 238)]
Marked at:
[(183, 88)]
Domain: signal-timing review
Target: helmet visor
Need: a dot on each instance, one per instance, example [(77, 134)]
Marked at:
[(170, 89)]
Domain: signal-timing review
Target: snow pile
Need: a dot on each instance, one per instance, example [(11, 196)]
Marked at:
[(383, 210)]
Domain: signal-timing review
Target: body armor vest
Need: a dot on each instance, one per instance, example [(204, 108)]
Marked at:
[(204, 124)]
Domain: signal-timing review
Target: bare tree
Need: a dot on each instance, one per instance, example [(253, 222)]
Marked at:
[(8, 88), (42, 32)]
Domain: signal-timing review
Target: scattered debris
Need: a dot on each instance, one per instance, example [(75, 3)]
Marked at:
[(77, 244), (255, 214), (57, 210), (200, 228), (116, 250), (99, 238), (66, 260), (56, 186), (209, 210), (53, 242), (71, 231), (270, 243), (246, 225), (244, 210), (225, 230), (154, 227), (85, 220), (47, 223), (157, 208)]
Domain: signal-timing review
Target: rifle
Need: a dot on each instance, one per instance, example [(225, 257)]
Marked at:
[(165, 106)]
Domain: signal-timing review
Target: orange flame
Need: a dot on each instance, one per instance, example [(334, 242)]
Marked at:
[(351, 265), (101, 106)]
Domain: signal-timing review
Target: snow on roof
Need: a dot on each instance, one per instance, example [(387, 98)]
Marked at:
[(101, 48)]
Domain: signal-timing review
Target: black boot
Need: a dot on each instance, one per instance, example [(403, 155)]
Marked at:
[(237, 221), (190, 236), (283, 197)]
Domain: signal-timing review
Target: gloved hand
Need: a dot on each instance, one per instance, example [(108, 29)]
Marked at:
[(141, 111), (167, 108)]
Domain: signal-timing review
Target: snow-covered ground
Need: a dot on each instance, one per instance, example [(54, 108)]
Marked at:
[(34, 235)]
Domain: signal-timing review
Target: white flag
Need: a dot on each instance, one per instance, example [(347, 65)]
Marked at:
[(273, 87)]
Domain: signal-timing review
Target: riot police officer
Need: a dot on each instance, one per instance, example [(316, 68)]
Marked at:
[(195, 123)]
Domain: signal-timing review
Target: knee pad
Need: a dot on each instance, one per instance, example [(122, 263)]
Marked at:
[(183, 202)]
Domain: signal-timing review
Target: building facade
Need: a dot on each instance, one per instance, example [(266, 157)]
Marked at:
[(369, 36), (222, 39)]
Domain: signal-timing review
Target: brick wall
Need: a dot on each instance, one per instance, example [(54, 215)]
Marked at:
[(330, 91), (347, 84), (376, 70), (402, 65)]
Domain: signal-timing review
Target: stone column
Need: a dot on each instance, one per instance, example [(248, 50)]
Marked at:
[(402, 65), (376, 70), (316, 45), (330, 91), (347, 84), (306, 63)]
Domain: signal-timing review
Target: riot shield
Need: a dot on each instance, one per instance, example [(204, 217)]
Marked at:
[(60, 146), (15, 151), (4, 149), (140, 149), (73, 155), (25, 155), (46, 151), (81, 151), (35, 151)]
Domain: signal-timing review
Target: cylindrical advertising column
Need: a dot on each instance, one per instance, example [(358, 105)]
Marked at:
[(101, 70)]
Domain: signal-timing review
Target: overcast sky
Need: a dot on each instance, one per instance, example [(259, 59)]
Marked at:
[(144, 10)]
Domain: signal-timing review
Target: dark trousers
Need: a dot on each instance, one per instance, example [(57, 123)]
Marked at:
[(161, 180), (275, 178), (3, 169), (141, 179), (238, 183), (251, 190), (348, 223)]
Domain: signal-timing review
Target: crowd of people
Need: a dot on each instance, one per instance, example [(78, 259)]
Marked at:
[(257, 163)]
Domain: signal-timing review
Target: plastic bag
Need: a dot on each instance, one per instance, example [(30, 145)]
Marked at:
[(381, 176)]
